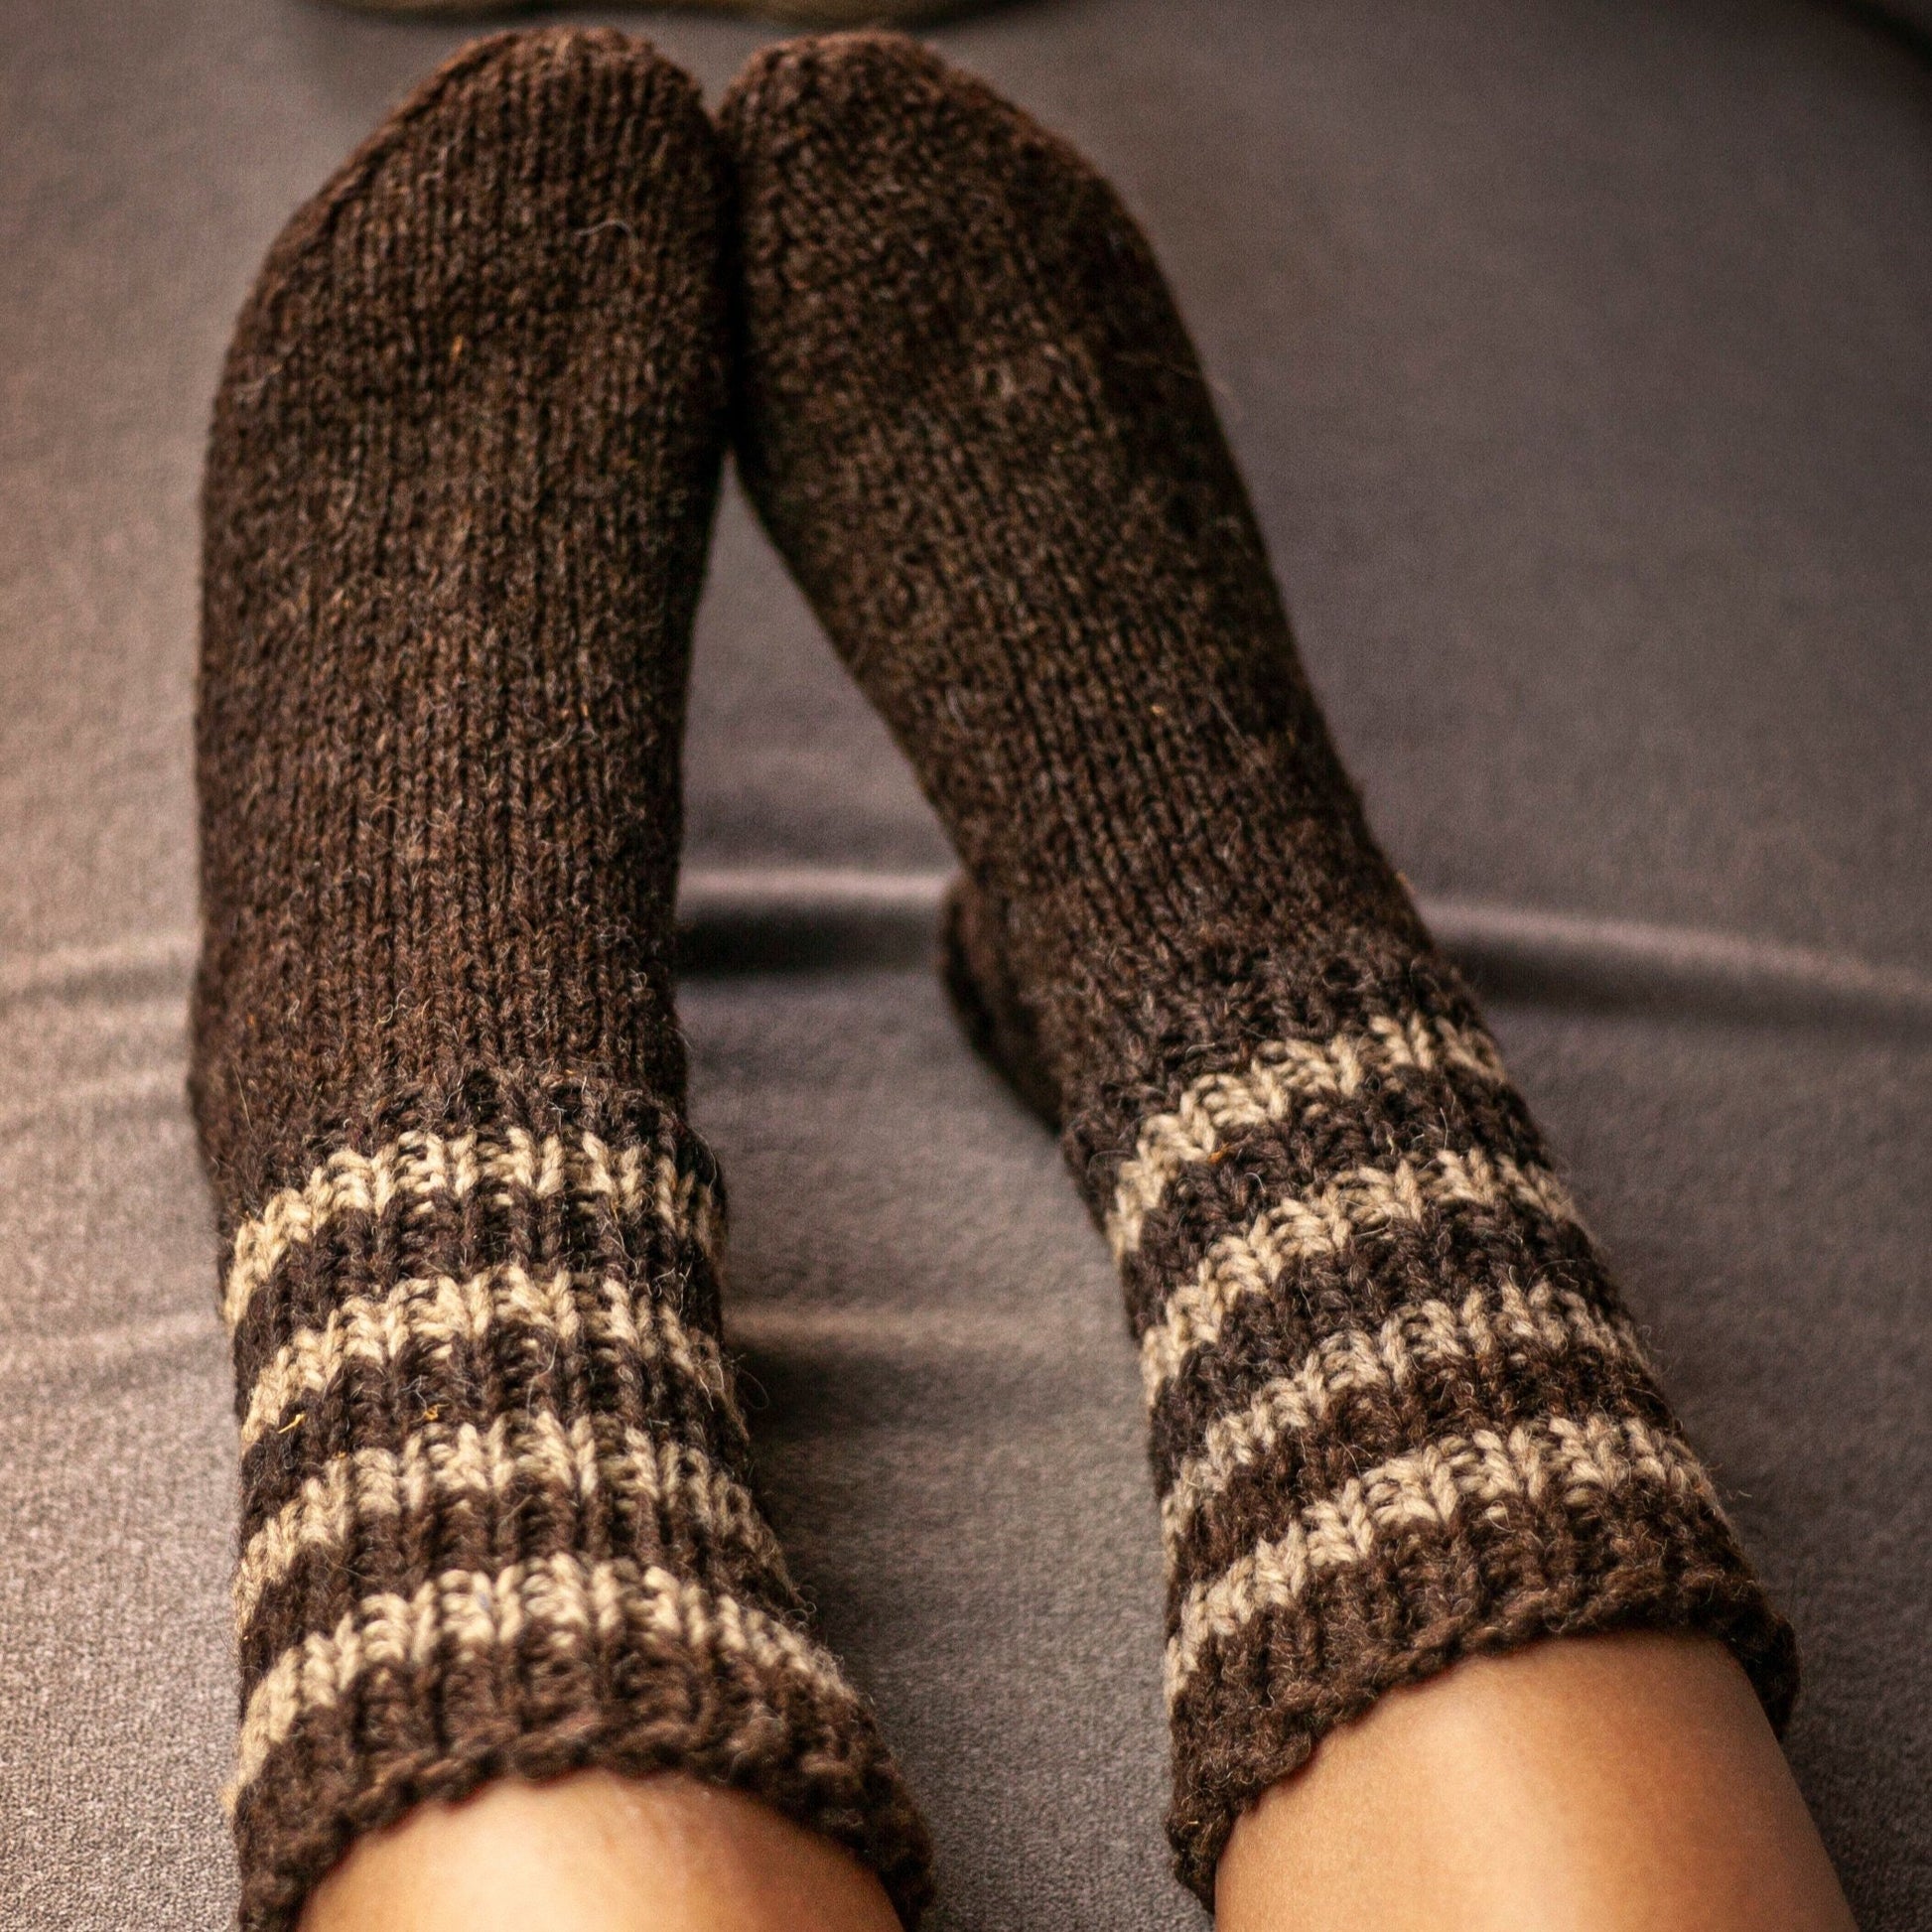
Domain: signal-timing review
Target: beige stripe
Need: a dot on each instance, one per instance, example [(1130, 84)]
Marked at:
[(440, 1312), (418, 1166), (1285, 1078), (438, 1466), (1579, 1462), (571, 1606), (1485, 1328), (1321, 1223)]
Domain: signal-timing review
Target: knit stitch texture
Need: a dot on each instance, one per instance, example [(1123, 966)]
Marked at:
[(1398, 1414), (497, 1510)]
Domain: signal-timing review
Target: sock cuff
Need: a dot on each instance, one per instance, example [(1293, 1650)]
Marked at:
[(542, 1668), (497, 1514), (1399, 1415), (1469, 1545)]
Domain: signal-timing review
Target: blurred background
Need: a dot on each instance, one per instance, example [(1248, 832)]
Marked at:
[(1578, 357)]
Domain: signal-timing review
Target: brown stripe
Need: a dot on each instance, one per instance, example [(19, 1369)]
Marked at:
[(1285, 1080), (515, 1457), (418, 1167), (575, 1608), (1482, 1333), (1321, 1224), (376, 1330), (1555, 1461)]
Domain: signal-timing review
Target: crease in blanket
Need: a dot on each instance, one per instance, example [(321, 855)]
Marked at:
[(801, 918), (1397, 1412)]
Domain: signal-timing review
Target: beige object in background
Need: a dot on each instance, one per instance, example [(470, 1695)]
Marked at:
[(791, 13)]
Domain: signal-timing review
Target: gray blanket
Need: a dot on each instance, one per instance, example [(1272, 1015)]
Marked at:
[(1577, 355)]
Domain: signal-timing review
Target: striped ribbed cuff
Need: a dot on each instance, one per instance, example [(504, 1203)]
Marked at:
[(1398, 1414), (495, 1515)]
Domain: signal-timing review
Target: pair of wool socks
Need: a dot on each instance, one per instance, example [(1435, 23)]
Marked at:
[(497, 1511)]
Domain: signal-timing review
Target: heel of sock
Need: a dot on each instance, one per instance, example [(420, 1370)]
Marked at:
[(983, 995)]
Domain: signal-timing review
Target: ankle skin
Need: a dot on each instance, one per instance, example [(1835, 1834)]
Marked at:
[(1613, 1784), (597, 1853), (1625, 1783)]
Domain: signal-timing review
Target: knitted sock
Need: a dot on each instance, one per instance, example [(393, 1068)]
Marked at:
[(495, 1514), (1398, 1414)]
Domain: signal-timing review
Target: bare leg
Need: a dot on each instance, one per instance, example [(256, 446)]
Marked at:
[(595, 1853), (1612, 1784)]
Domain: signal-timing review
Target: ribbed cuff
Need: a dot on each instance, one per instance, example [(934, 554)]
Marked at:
[(1398, 1412), (495, 1508), (1469, 1545)]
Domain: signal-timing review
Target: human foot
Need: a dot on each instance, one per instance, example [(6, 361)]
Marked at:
[(494, 1512)]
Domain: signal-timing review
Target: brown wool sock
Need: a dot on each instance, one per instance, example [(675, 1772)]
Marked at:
[(1398, 1412), (494, 1505)]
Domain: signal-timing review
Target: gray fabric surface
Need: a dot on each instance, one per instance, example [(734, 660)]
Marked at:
[(1577, 353)]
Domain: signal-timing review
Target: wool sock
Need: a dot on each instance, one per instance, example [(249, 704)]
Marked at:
[(1398, 1414), (496, 1513)]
